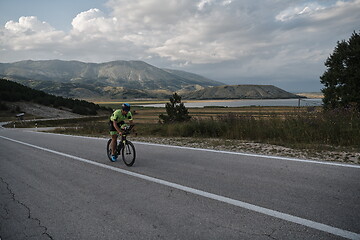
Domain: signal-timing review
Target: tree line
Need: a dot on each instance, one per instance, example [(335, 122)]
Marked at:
[(12, 92)]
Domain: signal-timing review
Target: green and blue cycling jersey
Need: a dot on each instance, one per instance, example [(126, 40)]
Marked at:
[(120, 119), (118, 116)]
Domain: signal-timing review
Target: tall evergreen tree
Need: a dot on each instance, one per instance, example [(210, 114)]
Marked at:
[(342, 77)]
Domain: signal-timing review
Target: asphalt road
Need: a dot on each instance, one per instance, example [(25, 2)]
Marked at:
[(64, 187)]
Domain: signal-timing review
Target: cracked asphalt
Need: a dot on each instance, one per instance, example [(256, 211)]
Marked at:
[(46, 195), (16, 220)]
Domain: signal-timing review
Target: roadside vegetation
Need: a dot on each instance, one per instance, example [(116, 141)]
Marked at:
[(286, 126), (336, 128), (12, 92)]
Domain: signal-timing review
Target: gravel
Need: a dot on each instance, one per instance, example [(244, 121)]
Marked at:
[(335, 155)]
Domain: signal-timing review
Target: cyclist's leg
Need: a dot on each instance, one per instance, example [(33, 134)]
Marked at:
[(113, 134), (113, 143)]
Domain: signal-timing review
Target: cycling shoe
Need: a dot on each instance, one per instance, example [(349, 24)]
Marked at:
[(113, 158)]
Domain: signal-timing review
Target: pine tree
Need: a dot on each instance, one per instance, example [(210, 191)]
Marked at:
[(176, 111), (342, 77)]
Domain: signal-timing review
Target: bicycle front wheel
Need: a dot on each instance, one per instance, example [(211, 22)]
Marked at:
[(128, 153)]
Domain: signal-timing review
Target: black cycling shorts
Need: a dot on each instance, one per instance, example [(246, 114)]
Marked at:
[(111, 126)]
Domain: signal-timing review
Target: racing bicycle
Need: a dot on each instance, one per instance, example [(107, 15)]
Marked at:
[(125, 148)]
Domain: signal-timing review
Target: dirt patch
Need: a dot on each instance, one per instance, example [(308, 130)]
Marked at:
[(42, 111)]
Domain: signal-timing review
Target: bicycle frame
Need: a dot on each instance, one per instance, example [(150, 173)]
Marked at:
[(121, 143), (123, 140)]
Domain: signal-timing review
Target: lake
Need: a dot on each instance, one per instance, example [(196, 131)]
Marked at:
[(247, 102)]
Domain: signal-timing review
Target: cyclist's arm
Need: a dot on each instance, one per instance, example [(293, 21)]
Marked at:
[(132, 125), (116, 127)]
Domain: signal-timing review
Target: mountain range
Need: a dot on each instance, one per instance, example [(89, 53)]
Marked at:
[(117, 79), (124, 80), (240, 92)]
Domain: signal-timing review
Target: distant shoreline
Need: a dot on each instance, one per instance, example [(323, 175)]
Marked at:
[(292, 102), (155, 101), (311, 95)]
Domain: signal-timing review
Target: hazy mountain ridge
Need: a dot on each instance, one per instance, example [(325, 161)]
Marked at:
[(126, 80), (111, 73), (78, 79)]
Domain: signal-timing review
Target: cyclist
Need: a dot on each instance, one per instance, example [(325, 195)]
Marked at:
[(117, 121)]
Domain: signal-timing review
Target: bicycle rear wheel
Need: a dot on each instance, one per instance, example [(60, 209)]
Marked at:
[(128, 153)]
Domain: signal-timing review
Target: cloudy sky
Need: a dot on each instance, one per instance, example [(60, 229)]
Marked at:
[(280, 42)]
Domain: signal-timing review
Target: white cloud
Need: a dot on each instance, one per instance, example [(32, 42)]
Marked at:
[(191, 31), (202, 4), (28, 25), (298, 11), (94, 21), (257, 38), (28, 33), (151, 14)]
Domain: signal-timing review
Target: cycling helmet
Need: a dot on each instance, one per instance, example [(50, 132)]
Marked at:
[(126, 107)]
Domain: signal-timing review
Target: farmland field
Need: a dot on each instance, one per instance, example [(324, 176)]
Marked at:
[(151, 114)]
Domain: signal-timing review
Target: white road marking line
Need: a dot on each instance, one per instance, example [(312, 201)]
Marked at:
[(255, 208), (226, 152)]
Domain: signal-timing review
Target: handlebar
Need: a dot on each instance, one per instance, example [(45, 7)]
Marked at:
[(127, 129)]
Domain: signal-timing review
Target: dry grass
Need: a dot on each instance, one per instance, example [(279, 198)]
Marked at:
[(143, 114)]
